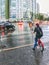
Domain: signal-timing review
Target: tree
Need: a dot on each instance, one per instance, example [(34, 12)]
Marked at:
[(46, 18), (39, 16)]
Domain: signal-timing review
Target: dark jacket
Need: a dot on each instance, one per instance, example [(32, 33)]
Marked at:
[(37, 30)]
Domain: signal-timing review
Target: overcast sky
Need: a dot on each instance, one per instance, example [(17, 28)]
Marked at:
[(44, 6)]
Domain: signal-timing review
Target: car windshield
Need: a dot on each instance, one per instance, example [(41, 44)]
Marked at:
[(7, 23)]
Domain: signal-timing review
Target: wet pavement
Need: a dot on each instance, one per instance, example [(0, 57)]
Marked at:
[(16, 38), (23, 55)]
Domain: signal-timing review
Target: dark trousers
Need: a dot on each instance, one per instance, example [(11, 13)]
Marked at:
[(36, 40)]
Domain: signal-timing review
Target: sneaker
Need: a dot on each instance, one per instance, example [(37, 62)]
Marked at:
[(42, 50), (33, 48)]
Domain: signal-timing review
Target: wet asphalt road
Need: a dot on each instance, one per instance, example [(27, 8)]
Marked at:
[(16, 38), (24, 55)]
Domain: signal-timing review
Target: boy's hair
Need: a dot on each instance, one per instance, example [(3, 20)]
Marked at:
[(37, 24)]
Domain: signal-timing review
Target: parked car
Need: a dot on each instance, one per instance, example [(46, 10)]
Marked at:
[(9, 25)]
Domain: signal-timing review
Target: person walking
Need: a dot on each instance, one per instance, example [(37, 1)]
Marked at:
[(39, 34)]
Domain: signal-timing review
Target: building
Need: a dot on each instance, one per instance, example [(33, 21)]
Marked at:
[(12, 8), (16, 9), (34, 8), (27, 8), (37, 8), (2, 9), (19, 8)]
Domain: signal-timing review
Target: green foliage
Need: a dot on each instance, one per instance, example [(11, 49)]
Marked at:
[(46, 18), (39, 16)]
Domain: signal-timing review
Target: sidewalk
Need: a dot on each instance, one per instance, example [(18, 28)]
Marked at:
[(24, 56)]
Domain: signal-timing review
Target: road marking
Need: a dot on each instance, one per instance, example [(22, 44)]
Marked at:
[(17, 47), (8, 49)]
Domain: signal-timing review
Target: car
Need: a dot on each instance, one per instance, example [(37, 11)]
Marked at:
[(6, 26), (9, 25)]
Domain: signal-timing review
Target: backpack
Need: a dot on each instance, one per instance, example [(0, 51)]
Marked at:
[(40, 32)]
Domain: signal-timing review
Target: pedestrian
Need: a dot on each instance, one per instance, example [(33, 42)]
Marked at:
[(39, 34)]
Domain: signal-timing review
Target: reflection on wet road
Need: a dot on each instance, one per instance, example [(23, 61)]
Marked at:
[(17, 40)]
